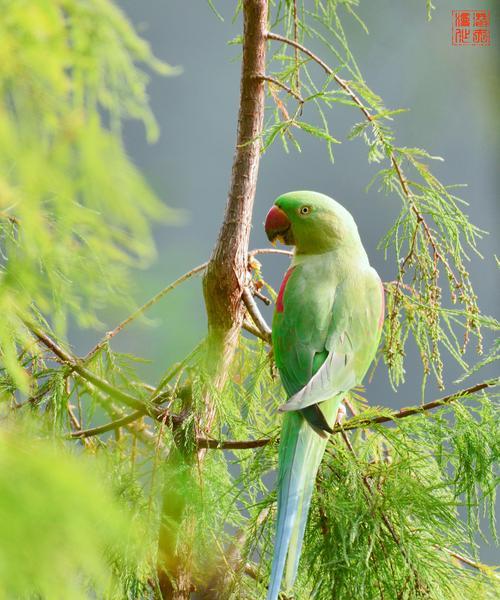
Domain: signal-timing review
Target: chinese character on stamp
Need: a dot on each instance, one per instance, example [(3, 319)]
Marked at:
[(470, 28)]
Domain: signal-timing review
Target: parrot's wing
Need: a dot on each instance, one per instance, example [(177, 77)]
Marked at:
[(336, 375), (352, 325), (301, 328)]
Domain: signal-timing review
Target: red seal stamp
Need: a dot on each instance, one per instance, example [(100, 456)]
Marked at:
[(470, 28)]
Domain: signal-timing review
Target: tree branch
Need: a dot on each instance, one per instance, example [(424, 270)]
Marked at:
[(358, 423), (227, 273), (257, 318), (75, 365), (283, 86), (142, 309), (354, 423), (91, 431), (233, 444)]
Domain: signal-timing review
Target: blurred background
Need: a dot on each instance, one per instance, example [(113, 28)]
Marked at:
[(452, 93)]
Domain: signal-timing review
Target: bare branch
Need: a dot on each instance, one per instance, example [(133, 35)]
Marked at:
[(283, 86), (247, 326), (270, 251), (261, 296), (254, 311), (233, 444), (139, 311)]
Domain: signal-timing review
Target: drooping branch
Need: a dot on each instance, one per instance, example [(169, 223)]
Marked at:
[(75, 365)]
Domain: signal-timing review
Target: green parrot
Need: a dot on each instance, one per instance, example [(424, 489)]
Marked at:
[(326, 329)]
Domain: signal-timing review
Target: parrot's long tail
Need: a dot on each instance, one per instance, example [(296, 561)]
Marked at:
[(300, 454)]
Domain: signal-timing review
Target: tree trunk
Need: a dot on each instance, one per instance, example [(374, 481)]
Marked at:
[(227, 271), (226, 274)]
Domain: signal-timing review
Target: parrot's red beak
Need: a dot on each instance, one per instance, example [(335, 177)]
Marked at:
[(278, 226)]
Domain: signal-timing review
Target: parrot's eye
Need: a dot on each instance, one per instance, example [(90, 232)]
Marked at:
[(305, 210)]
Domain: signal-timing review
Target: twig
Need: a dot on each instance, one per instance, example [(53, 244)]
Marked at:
[(76, 423), (296, 38), (354, 423), (75, 365), (261, 296), (247, 326), (254, 311), (139, 311), (269, 251), (283, 86), (13, 219), (91, 431), (466, 560), (233, 444)]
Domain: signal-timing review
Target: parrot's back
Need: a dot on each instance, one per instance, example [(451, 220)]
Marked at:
[(326, 330)]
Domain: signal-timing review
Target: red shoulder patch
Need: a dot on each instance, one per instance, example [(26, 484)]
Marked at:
[(279, 300)]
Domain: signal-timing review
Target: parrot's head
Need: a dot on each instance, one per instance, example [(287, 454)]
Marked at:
[(312, 222)]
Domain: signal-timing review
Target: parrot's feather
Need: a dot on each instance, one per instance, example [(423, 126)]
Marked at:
[(301, 451), (337, 369), (326, 330), (316, 419)]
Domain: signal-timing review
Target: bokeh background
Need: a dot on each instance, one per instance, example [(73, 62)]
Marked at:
[(452, 93)]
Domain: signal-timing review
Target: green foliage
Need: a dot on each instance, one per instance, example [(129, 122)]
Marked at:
[(74, 211), (60, 527)]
